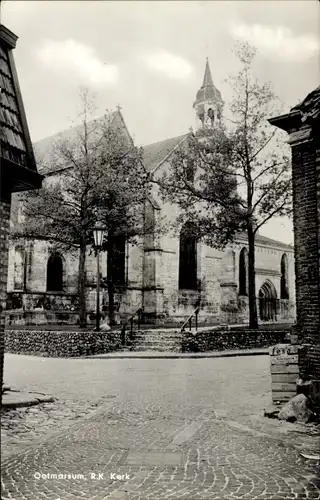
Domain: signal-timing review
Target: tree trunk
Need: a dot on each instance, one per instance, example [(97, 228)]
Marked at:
[(253, 317), (110, 281), (82, 283)]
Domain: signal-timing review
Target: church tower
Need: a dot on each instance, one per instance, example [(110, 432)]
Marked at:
[(208, 104)]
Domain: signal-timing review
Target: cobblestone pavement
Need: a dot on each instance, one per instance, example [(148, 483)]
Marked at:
[(177, 429), (21, 427)]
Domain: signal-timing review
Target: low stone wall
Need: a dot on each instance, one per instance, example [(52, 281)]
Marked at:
[(222, 339), (49, 301), (60, 344), (41, 317)]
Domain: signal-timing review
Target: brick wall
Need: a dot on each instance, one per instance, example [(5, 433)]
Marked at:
[(306, 188), (4, 230)]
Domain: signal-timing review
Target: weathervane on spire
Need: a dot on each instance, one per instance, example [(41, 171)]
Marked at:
[(119, 108)]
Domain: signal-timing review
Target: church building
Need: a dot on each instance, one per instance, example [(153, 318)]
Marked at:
[(167, 275)]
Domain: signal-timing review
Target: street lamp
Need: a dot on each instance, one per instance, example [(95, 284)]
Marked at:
[(98, 234)]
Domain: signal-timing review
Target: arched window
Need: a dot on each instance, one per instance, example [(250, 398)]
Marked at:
[(243, 272), (190, 170), (119, 260), (19, 269), (211, 115), (55, 273), (284, 289), (188, 258)]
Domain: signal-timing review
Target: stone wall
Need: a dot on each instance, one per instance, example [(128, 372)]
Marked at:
[(178, 303), (60, 343), (4, 245), (221, 340), (41, 317)]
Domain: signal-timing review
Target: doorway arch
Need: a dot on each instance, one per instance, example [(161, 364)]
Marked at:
[(268, 302)]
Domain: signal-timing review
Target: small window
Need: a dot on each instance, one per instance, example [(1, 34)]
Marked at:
[(55, 273), (284, 289), (190, 170), (188, 258), (211, 115), (243, 272)]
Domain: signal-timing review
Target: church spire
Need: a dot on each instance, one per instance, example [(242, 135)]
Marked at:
[(207, 79)]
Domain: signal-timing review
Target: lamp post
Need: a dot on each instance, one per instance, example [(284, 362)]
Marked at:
[(98, 234)]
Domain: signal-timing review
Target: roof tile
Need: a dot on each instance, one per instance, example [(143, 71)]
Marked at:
[(310, 106), (12, 143)]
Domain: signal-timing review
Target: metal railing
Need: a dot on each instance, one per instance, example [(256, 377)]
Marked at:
[(189, 320), (137, 314)]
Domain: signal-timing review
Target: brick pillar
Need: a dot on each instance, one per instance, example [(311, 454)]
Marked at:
[(306, 202), (4, 246)]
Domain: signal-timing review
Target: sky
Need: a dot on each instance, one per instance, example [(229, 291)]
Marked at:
[(149, 58)]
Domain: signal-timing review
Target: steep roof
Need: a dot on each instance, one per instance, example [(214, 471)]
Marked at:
[(15, 144), (156, 153), (300, 116), (43, 148)]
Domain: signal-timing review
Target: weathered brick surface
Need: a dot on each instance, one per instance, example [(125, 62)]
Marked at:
[(4, 232), (306, 189), (302, 125)]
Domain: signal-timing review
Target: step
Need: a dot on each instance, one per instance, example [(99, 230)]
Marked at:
[(156, 348), (156, 339), (156, 331)]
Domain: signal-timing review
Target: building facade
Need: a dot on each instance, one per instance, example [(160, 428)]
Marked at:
[(167, 275)]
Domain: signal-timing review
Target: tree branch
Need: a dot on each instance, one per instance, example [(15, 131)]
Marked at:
[(263, 146), (271, 214)]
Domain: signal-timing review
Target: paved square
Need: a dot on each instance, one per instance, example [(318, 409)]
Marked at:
[(177, 429)]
